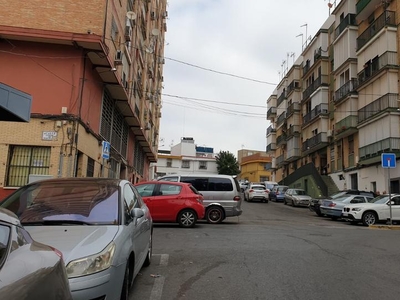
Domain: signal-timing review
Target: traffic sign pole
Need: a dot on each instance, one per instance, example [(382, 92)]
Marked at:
[(390, 198), (388, 161)]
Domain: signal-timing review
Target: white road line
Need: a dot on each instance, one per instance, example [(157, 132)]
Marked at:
[(156, 291)]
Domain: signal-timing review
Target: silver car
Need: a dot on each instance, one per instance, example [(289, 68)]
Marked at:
[(296, 197), (28, 269), (102, 227)]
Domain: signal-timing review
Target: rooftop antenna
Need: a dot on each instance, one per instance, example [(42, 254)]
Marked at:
[(305, 25), (302, 42), (292, 55)]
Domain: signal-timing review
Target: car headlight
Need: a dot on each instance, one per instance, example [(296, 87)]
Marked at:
[(356, 209), (92, 264)]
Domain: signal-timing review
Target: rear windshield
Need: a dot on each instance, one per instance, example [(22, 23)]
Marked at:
[(258, 187)]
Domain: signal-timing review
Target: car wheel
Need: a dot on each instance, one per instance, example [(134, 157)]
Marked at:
[(369, 218), (214, 215), (187, 218), (126, 285), (147, 262)]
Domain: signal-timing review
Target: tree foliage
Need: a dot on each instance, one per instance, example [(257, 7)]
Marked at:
[(227, 163)]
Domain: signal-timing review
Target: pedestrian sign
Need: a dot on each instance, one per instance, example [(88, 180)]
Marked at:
[(388, 160), (105, 153)]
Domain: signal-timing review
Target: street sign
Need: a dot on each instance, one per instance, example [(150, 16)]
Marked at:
[(105, 153), (388, 160)]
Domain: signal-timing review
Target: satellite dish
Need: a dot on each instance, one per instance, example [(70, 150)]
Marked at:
[(155, 32), (131, 15)]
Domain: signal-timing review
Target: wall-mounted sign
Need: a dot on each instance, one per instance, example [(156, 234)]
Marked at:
[(49, 135)]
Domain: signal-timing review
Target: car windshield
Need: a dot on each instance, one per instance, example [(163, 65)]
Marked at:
[(380, 199), (64, 202)]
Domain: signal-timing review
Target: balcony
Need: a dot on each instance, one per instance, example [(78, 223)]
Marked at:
[(374, 150), (318, 53), (385, 103), (320, 81), (270, 130), (280, 160), (281, 119), (295, 84), (294, 129), (349, 20), (271, 148), (349, 88), (306, 67), (271, 113), (293, 154), (387, 18), (293, 107), (315, 143), (321, 109), (346, 126), (281, 98), (281, 139), (374, 66)]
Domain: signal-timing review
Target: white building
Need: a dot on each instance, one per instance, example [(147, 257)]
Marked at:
[(184, 158)]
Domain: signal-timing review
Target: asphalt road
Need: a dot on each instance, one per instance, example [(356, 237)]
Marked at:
[(272, 251)]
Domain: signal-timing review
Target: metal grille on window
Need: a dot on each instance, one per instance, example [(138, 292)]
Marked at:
[(203, 165), (185, 164), (90, 167), (113, 126), (26, 160)]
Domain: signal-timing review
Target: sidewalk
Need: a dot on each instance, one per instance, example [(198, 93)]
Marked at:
[(383, 226)]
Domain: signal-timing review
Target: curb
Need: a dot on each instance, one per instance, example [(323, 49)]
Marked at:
[(388, 227)]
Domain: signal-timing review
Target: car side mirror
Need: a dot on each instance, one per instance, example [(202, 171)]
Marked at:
[(137, 213), (391, 203)]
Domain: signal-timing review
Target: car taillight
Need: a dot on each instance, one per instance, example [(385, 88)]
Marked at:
[(332, 205), (200, 200), (236, 198), (251, 190)]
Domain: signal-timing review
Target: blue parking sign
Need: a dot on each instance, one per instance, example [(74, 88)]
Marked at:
[(388, 160), (105, 153)]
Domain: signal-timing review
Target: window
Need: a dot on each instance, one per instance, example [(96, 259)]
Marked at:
[(26, 160), (185, 164), (129, 200), (90, 167), (169, 162), (203, 165), (146, 190), (169, 189)]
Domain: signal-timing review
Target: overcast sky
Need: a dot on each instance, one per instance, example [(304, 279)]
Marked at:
[(250, 40)]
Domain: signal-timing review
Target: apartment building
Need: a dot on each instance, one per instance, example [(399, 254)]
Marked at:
[(349, 102), (186, 157), (93, 71), (256, 167)]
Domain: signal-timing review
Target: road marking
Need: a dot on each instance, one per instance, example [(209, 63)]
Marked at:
[(156, 291)]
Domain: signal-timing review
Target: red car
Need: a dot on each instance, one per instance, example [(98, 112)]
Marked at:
[(172, 202)]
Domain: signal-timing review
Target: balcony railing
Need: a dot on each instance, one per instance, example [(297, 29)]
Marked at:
[(293, 129), (321, 80), (280, 159), (281, 139), (295, 84), (271, 113), (388, 101), (293, 107), (385, 19), (270, 130), (306, 67), (372, 67), (318, 110), (377, 148), (320, 138), (271, 147), (348, 20), (268, 166), (361, 4), (281, 98), (346, 89), (351, 160), (281, 118), (347, 124)]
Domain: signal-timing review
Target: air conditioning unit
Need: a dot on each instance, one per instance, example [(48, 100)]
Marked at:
[(153, 15), (165, 15), (148, 126), (128, 33), (161, 60), (159, 114), (118, 57)]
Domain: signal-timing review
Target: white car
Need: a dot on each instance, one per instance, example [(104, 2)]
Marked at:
[(377, 210), (256, 192)]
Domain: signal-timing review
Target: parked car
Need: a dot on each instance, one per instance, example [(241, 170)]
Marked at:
[(315, 203), (102, 227), (333, 208), (377, 210), (278, 193), (269, 185), (176, 202), (28, 269), (296, 197), (222, 196), (256, 191), (243, 185)]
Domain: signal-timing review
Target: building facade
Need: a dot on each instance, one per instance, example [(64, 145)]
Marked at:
[(94, 72), (349, 105), (255, 168)]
